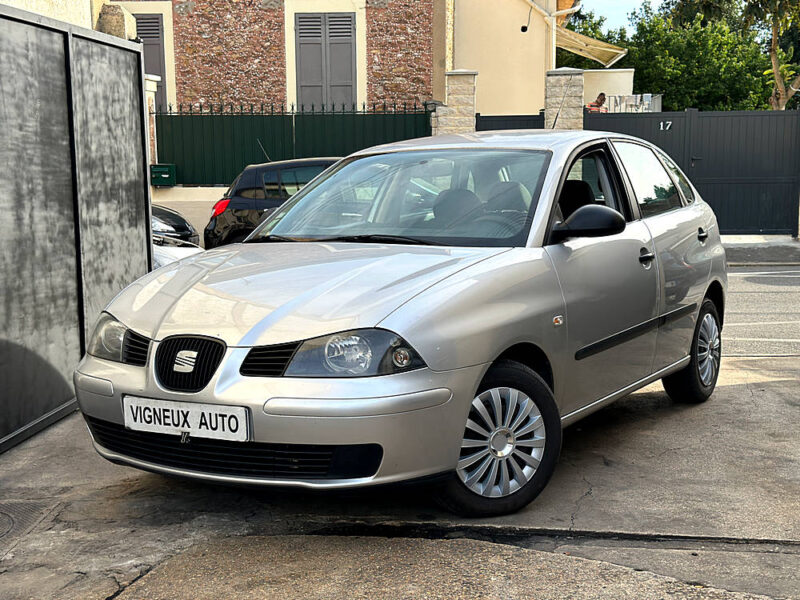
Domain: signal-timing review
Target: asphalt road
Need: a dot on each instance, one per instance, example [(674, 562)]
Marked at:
[(708, 495), (763, 314)]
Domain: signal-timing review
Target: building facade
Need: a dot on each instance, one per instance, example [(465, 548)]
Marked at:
[(290, 52)]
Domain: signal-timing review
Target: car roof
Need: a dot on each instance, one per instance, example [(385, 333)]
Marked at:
[(522, 139), (294, 162)]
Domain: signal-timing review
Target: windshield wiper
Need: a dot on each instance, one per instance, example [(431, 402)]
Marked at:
[(272, 238), (378, 237)]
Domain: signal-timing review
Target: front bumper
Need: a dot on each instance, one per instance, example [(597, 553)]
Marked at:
[(417, 417)]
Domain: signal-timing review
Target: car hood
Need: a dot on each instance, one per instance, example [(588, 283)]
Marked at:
[(257, 294)]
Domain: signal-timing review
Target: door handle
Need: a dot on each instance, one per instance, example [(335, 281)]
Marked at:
[(645, 257), (702, 234)]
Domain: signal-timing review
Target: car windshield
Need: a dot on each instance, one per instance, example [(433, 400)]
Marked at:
[(464, 197)]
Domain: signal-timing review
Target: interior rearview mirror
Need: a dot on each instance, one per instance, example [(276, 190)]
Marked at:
[(591, 220)]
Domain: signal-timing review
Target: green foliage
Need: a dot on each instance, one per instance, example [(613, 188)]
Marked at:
[(704, 64), (683, 12), (707, 67), (778, 18)]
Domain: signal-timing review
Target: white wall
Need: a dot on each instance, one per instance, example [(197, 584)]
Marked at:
[(612, 82)]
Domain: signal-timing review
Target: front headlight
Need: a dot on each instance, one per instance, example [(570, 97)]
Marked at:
[(107, 339), (357, 353)]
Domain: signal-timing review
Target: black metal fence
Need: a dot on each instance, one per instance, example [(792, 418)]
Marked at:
[(746, 164), (210, 144), (73, 204), (495, 122)]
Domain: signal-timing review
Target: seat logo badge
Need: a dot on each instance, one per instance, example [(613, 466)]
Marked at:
[(558, 320), (185, 437), (184, 361)]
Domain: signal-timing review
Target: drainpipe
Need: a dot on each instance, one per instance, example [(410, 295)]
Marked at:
[(551, 23)]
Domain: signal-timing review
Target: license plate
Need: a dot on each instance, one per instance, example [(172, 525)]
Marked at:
[(213, 421)]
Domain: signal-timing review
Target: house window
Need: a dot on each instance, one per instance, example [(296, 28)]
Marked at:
[(326, 60), (150, 29)]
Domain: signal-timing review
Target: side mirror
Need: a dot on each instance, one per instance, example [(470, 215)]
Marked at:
[(592, 220)]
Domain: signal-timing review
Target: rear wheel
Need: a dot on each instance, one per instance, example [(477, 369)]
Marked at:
[(696, 381), (510, 446)]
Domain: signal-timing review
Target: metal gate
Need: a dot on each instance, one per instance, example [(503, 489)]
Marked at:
[(496, 122), (211, 144), (74, 205), (746, 164)]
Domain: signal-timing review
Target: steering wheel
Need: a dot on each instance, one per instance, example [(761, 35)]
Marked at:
[(504, 227)]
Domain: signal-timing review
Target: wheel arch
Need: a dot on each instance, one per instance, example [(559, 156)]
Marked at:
[(532, 356), (716, 294)]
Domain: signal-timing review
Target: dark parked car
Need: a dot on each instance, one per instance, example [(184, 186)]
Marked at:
[(169, 223), (256, 190)]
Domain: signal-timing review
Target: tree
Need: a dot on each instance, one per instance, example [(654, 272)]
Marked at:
[(683, 12), (704, 64), (777, 16), (708, 67)]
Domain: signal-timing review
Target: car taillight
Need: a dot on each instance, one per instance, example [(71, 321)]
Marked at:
[(220, 207)]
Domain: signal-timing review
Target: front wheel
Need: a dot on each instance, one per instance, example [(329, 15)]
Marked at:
[(511, 443), (696, 381)]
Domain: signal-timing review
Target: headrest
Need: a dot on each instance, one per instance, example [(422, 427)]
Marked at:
[(451, 205), (509, 195), (574, 194)]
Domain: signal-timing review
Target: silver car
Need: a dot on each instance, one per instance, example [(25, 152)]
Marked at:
[(435, 308)]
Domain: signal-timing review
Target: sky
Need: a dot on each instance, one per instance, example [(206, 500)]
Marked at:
[(615, 11)]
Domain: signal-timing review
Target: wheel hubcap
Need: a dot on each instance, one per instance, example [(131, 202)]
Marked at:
[(708, 349), (503, 443)]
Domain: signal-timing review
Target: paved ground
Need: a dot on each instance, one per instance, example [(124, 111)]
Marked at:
[(708, 495), (761, 249)]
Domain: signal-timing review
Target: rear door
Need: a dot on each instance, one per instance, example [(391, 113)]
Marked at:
[(679, 231), (610, 288)]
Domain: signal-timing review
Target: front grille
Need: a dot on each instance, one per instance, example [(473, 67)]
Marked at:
[(268, 361), (240, 459), (203, 364), (135, 348)]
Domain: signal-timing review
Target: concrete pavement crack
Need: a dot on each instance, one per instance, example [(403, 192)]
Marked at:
[(121, 587), (586, 494)]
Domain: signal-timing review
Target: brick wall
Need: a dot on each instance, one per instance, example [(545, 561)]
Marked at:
[(229, 50), (399, 50)]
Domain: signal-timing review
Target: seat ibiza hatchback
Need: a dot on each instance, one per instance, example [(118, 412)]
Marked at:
[(435, 307)]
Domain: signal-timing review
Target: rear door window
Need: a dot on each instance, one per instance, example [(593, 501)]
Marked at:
[(683, 183), (249, 185), (655, 192), (294, 178), (271, 187)]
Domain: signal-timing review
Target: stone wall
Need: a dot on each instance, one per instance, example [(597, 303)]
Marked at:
[(563, 108), (457, 115), (229, 51), (115, 20), (399, 50)]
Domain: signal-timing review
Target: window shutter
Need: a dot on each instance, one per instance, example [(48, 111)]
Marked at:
[(325, 67), (149, 28), (341, 58), (310, 70)]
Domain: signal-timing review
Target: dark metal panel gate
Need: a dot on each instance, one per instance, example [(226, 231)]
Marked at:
[(746, 164), (74, 206), (496, 122)]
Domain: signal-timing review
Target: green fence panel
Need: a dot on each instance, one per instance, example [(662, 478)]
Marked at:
[(211, 147)]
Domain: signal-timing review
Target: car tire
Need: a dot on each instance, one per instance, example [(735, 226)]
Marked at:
[(519, 450), (696, 381)]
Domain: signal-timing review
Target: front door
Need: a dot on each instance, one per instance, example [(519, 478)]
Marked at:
[(610, 288)]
